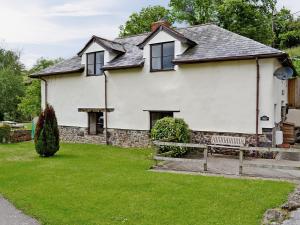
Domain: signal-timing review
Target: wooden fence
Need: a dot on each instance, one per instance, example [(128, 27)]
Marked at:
[(241, 150)]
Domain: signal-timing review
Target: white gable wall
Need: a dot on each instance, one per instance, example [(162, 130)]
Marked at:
[(67, 93), (219, 96)]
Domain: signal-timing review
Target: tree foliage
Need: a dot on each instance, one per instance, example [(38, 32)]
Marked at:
[(247, 18), (30, 105), (11, 84), (286, 29), (194, 11), (141, 22), (47, 134)]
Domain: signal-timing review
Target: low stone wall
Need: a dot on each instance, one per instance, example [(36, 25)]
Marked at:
[(79, 135), (129, 138), (141, 138), (117, 137), (20, 136)]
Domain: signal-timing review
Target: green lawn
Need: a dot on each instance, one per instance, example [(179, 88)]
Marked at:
[(89, 184), (28, 126)]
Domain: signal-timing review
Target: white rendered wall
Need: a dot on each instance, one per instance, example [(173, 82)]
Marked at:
[(67, 93), (210, 96), (218, 96)]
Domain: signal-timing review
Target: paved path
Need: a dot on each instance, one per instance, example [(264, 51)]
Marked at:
[(294, 220), (9, 215), (229, 166)]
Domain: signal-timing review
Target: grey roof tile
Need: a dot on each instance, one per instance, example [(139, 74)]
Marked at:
[(71, 65), (213, 42)]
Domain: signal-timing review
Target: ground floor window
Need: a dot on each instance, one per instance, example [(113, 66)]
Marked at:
[(154, 116), (96, 123)]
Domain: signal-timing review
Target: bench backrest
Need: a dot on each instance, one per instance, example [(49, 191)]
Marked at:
[(228, 141)]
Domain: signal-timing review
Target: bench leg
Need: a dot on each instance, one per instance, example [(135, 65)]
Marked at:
[(241, 162), (205, 159)]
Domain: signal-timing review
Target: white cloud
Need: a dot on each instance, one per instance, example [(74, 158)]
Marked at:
[(83, 8), (34, 23)]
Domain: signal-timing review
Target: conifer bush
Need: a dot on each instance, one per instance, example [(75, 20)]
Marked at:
[(47, 134), (170, 129)]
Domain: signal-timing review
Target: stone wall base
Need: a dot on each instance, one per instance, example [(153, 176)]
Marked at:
[(116, 137), (141, 138), (20, 136)]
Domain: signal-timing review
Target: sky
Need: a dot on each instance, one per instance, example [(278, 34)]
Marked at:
[(60, 28)]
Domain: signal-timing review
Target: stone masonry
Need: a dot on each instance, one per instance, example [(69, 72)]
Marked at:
[(117, 137), (141, 138)]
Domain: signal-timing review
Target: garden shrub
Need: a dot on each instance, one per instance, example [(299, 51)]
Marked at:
[(4, 133), (47, 134), (171, 129)]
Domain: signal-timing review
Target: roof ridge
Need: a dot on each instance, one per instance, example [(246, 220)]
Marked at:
[(133, 35), (105, 39), (198, 25), (174, 28)]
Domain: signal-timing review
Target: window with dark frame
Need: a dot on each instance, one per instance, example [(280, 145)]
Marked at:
[(95, 63), (154, 116), (162, 55)]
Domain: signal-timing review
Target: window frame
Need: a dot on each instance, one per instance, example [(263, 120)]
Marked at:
[(95, 63), (161, 56), (161, 112)]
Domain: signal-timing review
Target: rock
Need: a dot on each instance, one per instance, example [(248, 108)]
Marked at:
[(274, 217), (293, 201), (291, 205)]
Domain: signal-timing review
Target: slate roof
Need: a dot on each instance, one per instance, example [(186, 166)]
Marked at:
[(213, 43), (71, 65), (111, 46), (216, 43)]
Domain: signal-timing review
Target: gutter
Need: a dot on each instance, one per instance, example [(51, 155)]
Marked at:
[(257, 100), (263, 56), (56, 73), (106, 68)]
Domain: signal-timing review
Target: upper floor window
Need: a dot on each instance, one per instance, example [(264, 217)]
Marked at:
[(95, 62), (161, 56)]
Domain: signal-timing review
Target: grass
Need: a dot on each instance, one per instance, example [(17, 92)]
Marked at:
[(295, 55), (89, 184), (28, 126), (295, 51)]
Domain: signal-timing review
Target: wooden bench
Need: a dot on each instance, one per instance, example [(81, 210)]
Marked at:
[(227, 142)]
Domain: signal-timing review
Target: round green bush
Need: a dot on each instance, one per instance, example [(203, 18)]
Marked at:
[(47, 134), (171, 129)]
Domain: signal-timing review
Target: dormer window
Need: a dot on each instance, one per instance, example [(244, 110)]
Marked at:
[(161, 56), (95, 62)]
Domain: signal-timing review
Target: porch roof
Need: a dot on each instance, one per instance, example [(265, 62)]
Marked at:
[(95, 110)]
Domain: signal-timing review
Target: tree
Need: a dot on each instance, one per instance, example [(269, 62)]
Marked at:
[(141, 22), (194, 11), (47, 134), (30, 105), (252, 19), (11, 84), (286, 29)]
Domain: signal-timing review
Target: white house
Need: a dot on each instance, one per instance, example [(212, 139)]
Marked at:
[(217, 81)]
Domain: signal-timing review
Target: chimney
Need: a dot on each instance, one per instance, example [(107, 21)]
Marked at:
[(155, 25)]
